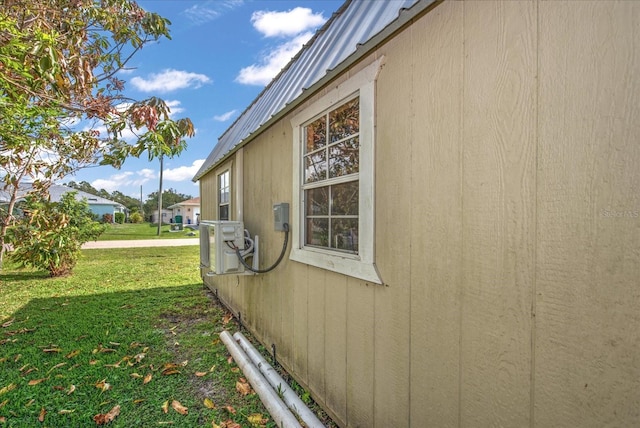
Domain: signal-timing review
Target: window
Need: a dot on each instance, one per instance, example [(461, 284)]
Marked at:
[(224, 191), (333, 205), (331, 153)]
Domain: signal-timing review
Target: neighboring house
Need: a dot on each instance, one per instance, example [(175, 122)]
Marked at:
[(188, 210), (166, 216), (98, 205), (464, 181)]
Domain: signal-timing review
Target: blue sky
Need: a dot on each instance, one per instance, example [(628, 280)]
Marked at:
[(222, 54)]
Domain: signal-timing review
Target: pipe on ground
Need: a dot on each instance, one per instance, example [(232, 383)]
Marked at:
[(274, 405), (288, 395)]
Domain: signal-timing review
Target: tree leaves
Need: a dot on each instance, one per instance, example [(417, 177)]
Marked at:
[(37, 381), (102, 419), (243, 387), (175, 405)]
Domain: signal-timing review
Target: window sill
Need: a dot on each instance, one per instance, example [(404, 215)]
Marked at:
[(346, 264)]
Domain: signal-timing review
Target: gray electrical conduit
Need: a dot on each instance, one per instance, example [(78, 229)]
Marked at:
[(289, 396), (274, 405)]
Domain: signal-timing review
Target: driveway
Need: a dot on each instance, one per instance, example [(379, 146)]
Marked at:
[(141, 243)]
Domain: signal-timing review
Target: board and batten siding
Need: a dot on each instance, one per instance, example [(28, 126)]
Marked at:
[(507, 229)]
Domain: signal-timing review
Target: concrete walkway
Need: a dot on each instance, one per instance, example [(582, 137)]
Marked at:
[(141, 243)]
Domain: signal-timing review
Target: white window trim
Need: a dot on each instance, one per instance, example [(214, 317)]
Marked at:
[(361, 265), (226, 167)]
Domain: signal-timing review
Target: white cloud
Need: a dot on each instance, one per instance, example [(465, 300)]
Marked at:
[(224, 116), (169, 80), (182, 173), (127, 178), (287, 24), (296, 25), (273, 62), (208, 11)]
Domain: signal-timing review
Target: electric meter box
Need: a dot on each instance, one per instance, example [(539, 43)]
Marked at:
[(218, 242), (280, 216)]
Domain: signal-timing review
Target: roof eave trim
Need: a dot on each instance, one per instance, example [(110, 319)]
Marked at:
[(362, 50)]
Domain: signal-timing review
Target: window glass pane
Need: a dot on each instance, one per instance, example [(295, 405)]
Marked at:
[(317, 201), (345, 120), (224, 195), (315, 168), (224, 212), (344, 158), (316, 134), (344, 234), (317, 232), (344, 199)]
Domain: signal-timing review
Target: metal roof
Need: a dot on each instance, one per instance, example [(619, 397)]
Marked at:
[(352, 32)]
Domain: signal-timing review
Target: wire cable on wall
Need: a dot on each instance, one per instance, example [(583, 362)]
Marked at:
[(272, 267)]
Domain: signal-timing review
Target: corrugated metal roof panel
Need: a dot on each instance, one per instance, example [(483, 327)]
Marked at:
[(355, 23)]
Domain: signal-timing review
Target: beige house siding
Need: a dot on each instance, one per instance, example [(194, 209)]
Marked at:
[(507, 229)]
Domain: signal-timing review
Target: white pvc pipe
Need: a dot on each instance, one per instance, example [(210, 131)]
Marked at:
[(278, 410), (288, 395)]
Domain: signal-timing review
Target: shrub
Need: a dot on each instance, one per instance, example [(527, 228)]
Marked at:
[(107, 218), (136, 217), (50, 236), (119, 218)]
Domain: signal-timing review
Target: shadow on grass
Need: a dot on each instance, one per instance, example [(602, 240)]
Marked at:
[(23, 276), (55, 351)]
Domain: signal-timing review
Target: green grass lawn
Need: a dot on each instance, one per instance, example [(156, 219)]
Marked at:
[(130, 231), (132, 328)]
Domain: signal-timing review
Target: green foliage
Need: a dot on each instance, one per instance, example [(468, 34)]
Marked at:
[(136, 218), (51, 235), (119, 218), (107, 218), (169, 197)]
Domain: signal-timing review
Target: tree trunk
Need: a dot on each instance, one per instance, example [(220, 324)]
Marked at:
[(160, 198)]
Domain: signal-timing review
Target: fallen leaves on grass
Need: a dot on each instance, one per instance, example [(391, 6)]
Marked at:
[(73, 353), (66, 412), (42, 414), (102, 349), (8, 323), (175, 405), (52, 350), (71, 389), (103, 385), (200, 374), (21, 331), (102, 419), (227, 317), (170, 369), (243, 387), (57, 366), (256, 419), (37, 381), (230, 409), (209, 404), (8, 388), (165, 407), (147, 379)]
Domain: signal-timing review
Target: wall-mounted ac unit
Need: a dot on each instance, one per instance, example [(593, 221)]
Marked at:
[(218, 242)]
